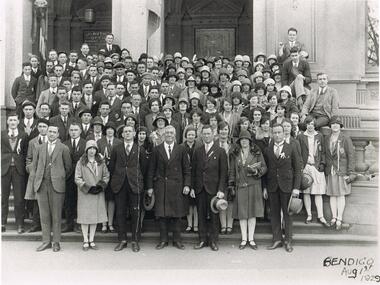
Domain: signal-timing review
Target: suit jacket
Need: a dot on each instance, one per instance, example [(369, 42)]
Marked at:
[(210, 171), (67, 71), (94, 106), (62, 129), (141, 91), (115, 49), (106, 149), (288, 74), (115, 108), (342, 158), (75, 154), (319, 150), (330, 102), (75, 113), (132, 167), (45, 97), (287, 48), (168, 177), (37, 73), (18, 153), (60, 166), (33, 144), (124, 82), (33, 128), (21, 90), (283, 172)]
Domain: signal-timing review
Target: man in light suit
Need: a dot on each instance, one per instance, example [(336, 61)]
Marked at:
[(284, 50), (48, 95), (50, 167), (283, 179), (322, 103), (296, 74), (209, 179)]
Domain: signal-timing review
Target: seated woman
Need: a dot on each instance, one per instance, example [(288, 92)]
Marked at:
[(91, 176), (340, 167), (313, 163), (285, 97), (246, 168)]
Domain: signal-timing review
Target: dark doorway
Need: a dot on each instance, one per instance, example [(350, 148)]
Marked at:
[(209, 27)]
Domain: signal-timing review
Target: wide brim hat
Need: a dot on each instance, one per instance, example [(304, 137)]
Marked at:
[(269, 81), (236, 82), (97, 121), (184, 58), (165, 107), (242, 72), (195, 95), (238, 58), (295, 205), (336, 120), (204, 68), (286, 89), (217, 205), (133, 116), (189, 65), (246, 81), (160, 116), (258, 74), (260, 54), (168, 57), (111, 125), (191, 78), (244, 135), (183, 100), (90, 144), (177, 54), (272, 56), (224, 70), (149, 201), (180, 70), (246, 58), (306, 181)]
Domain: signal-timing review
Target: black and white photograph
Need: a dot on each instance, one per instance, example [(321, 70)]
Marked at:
[(189, 142)]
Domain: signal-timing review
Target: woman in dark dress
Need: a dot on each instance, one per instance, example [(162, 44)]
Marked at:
[(246, 168)]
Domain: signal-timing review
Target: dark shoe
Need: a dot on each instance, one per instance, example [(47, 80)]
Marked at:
[(121, 246), (229, 231), (200, 245), (333, 222), (162, 244), (3, 229), (20, 230), (323, 222), (188, 229), (67, 229), (135, 246), (178, 245), (275, 245), (56, 247), (288, 247), (253, 245), (93, 246), (195, 229), (34, 229), (104, 229), (111, 229), (44, 246), (223, 231), (85, 246), (243, 244), (214, 246), (308, 220)]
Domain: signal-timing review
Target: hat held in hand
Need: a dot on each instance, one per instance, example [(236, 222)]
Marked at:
[(218, 205)]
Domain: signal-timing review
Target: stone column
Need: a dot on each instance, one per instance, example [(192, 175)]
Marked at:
[(129, 25), (361, 166), (259, 26)]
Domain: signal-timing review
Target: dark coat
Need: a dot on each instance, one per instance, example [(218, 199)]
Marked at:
[(288, 75), (132, 166), (62, 129), (18, 154), (343, 152), (22, 91), (283, 173), (319, 157), (210, 171), (167, 178), (75, 154)]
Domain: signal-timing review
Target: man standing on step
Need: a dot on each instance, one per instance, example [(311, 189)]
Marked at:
[(127, 166), (14, 147), (283, 179), (170, 174), (209, 178), (50, 167)]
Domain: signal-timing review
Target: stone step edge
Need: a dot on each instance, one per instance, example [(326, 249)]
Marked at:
[(309, 239)]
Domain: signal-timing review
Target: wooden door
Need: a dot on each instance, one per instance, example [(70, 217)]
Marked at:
[(215, 42)]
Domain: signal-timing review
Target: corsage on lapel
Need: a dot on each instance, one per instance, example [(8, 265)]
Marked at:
[(282, 155)]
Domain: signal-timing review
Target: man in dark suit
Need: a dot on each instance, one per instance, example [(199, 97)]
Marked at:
[(284, 50), (14, 147), (36, 69), (85, 117), (28, 122), (77, 106), (282, 180), (120, 76), (50, 167), (91, 101), (169, 176), (128, 167), (66, 68), (76, 147), (63, 121), (24, 87), (296, 74), (209, 178), (145, 86), (110, 47)]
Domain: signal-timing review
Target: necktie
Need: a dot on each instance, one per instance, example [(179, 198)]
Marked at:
[(27, 82), (85, 128), (64, 121), (321, 91), (277, 151), (169, 150), (28, 129), (50, 149), (40, 141), (74, 145), (127, 149), (109, 48), (183, 122)]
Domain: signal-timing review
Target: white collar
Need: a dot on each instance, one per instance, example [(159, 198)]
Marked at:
[(15, 132), (279, 144), (27, 77), (53, 90)]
